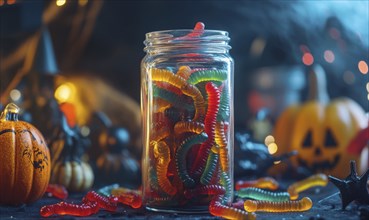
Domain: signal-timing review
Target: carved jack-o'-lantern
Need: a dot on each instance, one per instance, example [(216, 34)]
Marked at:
[(24, 160), (320, 129)]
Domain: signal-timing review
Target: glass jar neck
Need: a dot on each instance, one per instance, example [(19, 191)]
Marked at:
[(187, 41)]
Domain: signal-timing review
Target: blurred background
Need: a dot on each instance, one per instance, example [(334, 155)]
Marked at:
[(88, 52)]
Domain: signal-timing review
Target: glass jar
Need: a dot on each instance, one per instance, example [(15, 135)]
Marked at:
[(187, 110)]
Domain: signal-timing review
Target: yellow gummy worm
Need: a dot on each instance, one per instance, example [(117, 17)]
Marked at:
[(319, 179), (287, 206)]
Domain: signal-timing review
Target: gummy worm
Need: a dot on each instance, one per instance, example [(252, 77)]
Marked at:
[(184, 72), (211, 165), (153, 179), (221, 140), (220, 137), (223, 114), (63, 208), (259, 194), (162, 154), (176, 100), (163, 75), (102, 201), (312, 181), (226, 182), (210, 120), (180, 157), (59, 191), (216, 208), (188, 126), (130, 198), (207, 75), (263, 183), (288, 206), (204, 190)]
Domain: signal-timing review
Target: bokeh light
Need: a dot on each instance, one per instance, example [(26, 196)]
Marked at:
[(329, 56), (363, 67), (268, 140), (15, 95), (65, 92), (308, 59), (60, 2), (272, 148)]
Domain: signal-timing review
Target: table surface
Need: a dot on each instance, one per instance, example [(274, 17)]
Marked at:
[(326, 205)]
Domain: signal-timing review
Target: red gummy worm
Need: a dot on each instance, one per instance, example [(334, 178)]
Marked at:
[(130, 198), (216, 208), (210, 122), (205, 190), (102, 201), (63, 208), (59, 191), (198, 30)]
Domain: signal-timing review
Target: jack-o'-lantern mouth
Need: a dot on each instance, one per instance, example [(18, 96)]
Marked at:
[(321, 165)]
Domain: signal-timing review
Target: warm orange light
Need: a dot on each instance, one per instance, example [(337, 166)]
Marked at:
[(272, 148), (363, 67), (60, 2), (329, 56), (2, 2), (10, 2), (268, 140), (82, 2), (308, 59)]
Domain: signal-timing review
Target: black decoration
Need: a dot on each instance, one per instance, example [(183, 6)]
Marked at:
[(353, 187)]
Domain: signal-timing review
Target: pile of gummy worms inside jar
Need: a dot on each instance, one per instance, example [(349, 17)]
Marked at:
[(188, 153)]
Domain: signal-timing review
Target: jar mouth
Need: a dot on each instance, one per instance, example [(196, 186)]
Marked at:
[(180, 38)]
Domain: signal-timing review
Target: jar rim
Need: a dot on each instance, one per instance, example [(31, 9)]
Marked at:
[(181, 38)]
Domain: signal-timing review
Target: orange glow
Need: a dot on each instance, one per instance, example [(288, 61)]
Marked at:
[(10, 2), (363, 67), (2, 2), (308, 59), (329, 56)]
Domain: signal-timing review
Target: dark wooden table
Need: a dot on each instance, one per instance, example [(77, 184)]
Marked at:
[(326, 205)]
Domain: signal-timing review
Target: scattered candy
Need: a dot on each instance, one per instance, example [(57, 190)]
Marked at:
[(59, 191), (130, 198), (263, 183), (102, 201), (312, 181), (216, 208), (287, 206), (259, 194), (64, 208)]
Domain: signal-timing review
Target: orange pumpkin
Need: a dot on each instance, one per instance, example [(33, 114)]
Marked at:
[(24, 160), (320, 129)]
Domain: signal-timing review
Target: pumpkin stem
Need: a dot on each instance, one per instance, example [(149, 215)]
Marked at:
[(318, 84), (10, 113)]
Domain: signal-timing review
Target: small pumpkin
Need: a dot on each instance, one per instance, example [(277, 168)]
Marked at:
[(24, 160), (320, 129), (67, 149)]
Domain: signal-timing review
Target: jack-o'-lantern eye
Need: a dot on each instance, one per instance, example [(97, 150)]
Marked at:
[(308, 140), (330, 140)]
